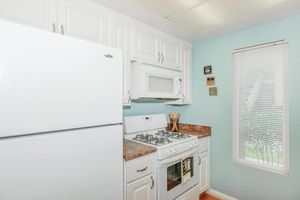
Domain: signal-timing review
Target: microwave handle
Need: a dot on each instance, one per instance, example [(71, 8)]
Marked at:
[(178, 86)]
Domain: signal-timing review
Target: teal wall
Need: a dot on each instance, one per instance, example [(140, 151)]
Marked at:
[(243, 182)]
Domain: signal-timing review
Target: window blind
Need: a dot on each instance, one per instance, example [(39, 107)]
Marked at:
[(260, 107)]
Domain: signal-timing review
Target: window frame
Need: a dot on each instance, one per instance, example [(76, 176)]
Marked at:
[(284, 170)]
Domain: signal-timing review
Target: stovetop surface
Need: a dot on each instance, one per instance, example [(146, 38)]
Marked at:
[(160, 138)]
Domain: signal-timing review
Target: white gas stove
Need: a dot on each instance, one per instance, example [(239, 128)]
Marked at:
[(151, 130), (177, 159)]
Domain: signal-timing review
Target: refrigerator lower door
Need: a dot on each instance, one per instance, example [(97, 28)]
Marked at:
[(51, 82), (84, 164)]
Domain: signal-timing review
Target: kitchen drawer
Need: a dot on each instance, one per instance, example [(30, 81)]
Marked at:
[(203, 144), (139, 167)]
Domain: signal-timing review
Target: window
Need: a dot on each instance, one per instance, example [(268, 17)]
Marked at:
[(260, 107)]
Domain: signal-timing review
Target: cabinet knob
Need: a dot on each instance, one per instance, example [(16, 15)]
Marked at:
[(108, 56), (152, 180), (158, 57), (54, 27), (199, 160), (62, 29)]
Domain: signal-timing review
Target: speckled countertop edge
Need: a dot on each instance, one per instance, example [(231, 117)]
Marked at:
[(133, 150)]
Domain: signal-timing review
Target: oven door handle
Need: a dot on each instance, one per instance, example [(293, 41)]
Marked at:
[(177, 158)]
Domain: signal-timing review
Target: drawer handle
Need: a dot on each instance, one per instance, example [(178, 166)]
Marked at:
[(152, 180), (142, 170), (199, 160), (108, 56)]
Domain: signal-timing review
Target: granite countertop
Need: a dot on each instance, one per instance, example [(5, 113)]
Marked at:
[(197, 130), (132, 150)]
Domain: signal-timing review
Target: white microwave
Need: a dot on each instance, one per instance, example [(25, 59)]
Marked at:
[(152, 82)]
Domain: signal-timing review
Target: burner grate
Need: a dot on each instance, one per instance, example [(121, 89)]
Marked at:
[(170, 134), (152, 139)]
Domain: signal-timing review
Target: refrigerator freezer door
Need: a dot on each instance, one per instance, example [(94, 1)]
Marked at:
[(70, 165), (53, 82)]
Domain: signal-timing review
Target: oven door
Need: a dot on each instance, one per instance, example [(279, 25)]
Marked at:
[(178, 174)]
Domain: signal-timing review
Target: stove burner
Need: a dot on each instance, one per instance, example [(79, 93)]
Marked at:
[(170, 134), (152, 139)]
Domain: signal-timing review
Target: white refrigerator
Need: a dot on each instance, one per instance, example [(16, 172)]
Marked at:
[(60, 117)]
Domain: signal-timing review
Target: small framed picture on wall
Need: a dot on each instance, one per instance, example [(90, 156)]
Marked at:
[(207, 70), (210, 81)]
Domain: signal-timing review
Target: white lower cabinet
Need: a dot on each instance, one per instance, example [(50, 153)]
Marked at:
[(141, 189), (140, 178), (204, 172), (204, 167)]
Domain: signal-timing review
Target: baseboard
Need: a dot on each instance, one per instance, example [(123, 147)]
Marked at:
[(220, 195)]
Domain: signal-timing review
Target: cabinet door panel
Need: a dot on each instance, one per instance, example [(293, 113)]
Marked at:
[(30, 12), (204, 172), (119, 37), (146, 44), (186, 64), (82, 20), (141, 189), (170, 49)]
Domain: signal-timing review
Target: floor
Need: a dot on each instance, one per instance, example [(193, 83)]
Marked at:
[(208, 197)]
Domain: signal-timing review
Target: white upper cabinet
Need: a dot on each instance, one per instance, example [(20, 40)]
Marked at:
[(82, 19), (170, 52), (87, 20), (186, 63), (146, 44), (36, 13), (156, 48), (186, 66), (119, 37)]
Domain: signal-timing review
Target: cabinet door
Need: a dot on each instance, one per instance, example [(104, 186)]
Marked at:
[(186, 64), (141, 189), (170, 52), (119, 37), (204, 171), (34, 13), (146, 43), (83, 19)]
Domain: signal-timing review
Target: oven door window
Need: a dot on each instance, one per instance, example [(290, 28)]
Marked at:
[(174, 176)]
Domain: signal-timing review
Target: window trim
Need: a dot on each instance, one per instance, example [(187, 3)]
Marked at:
[(235, 119)]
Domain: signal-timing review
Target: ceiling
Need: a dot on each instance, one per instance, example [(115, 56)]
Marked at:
[(204, 18), (196, 20)]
